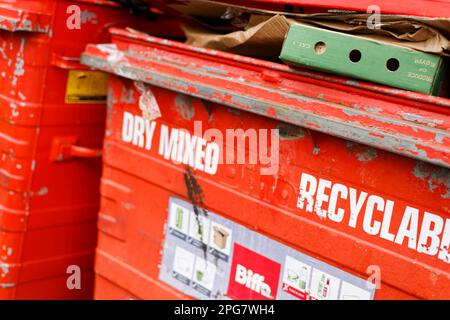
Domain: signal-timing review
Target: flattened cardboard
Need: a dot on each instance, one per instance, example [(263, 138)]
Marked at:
[(263, 38), (423, 34)]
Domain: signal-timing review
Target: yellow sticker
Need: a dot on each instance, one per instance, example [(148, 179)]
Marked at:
[(86, 87)]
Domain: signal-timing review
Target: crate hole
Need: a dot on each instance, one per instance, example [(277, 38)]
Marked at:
[(320, 47), (355, 55), (393, 64)]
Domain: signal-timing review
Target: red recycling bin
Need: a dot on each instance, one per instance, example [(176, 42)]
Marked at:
[(52, 113), (260, 181)]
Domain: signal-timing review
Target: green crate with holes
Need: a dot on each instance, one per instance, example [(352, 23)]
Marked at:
[(362, 58)]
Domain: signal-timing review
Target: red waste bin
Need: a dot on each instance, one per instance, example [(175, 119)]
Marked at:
[(52, 113), (260, 181)]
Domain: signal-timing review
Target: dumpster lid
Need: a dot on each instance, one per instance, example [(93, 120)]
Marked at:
[(407, 123), (16, 18)]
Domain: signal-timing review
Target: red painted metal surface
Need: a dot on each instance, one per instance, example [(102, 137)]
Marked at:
[(325, 128), (49, 166), (137, 184)]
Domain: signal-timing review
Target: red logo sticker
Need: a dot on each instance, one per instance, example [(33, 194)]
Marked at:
[(253, 276)]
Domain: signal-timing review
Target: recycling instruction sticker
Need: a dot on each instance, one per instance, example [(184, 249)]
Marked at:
[(209, 257)]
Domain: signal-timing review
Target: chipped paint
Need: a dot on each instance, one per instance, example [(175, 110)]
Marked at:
[(24, 21), (374, 110), (436, 178), (128, 206), (236, 112), (214, 70), (316, 150), (363, 153), (126, 96), (290, 132), (8, 252), (42, 192), (19, 68), (421, 119), (88, 17), (22, 96), (147, 102), (14, 111), (114, 55), (439, 138), (4, 267), (183, 104), (2, 51)]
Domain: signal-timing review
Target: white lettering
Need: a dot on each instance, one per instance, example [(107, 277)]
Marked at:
[(444, 253), (335, 191), (139, 129), (200, 154), (212, 158), (167, 145), (431, 237), (149, 132), (307, 193), (253, 281), (372, 203), (189, 150), (127, 127), (408, 227), (355, 206), (385, 234), (427, 233), (321, 197)]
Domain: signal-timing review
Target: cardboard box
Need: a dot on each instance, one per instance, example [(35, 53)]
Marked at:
[(361, 58)]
